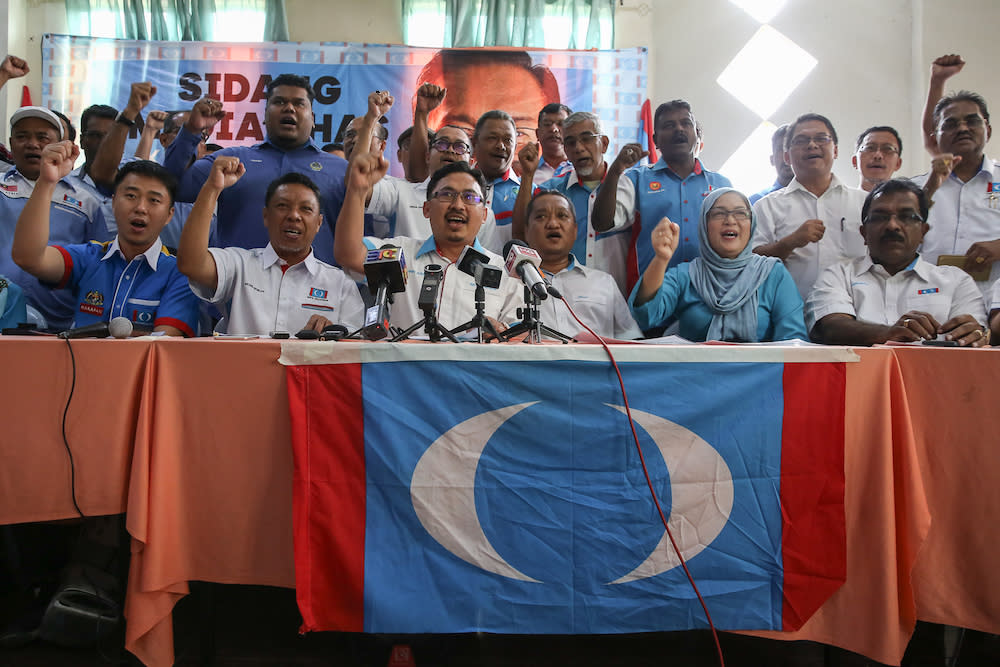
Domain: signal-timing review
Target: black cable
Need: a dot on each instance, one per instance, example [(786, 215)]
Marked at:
[(69, 452)]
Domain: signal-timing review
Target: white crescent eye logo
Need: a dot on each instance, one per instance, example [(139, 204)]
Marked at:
[(442, 490)]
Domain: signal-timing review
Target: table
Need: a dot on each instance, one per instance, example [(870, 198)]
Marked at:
[(191, 437)]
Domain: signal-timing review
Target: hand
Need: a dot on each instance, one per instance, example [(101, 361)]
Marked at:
[(665, 238), (205, 113), (364, 171), (429, 97), (58, 160), (139, 96), (919, 324), (13, 68), (155, 121), (226, 170), (317, 323), (810, 231), (379, 103), (629, 155), (528, 158), (945, 67), (981, 254), (966, 330)]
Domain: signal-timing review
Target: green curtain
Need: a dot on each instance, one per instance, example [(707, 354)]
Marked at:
[(172, 20), (569, 24)]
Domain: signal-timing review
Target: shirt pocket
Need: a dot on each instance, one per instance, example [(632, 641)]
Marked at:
[(142, 311)]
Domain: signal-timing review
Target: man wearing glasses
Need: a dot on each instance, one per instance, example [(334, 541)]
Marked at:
[(811, 223), (893, 293), (965, 185), (585, 143), (456, 209), (877, 155), (402, 202)]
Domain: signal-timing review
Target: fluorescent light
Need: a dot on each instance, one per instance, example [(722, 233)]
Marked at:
[(762, 10), (749, 168), (766, 71)]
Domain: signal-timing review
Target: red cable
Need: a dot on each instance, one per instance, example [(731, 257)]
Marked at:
[(649, 483)]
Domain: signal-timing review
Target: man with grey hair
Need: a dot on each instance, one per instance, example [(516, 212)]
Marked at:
[(585, 144), (493, 143)]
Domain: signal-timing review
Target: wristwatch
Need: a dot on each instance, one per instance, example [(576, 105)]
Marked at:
[(123, 120)]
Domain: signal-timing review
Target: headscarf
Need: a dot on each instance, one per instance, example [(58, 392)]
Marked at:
[(729, 286)]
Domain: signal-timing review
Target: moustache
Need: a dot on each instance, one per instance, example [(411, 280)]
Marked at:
[(892, 236)]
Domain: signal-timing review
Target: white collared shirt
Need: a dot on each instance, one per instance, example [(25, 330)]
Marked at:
[(403, 203), (963, 214), (596, 300), (866, 290), (456, 296), (781, 213), (258, 298)]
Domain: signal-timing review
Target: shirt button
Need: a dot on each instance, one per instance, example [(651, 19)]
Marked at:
[(685, 201), (685, 219), (686, 239)]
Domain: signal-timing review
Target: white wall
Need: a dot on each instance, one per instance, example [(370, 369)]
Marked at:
[(873, 56)]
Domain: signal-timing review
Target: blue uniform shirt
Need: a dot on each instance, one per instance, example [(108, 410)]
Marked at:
[(660, 192), (149, 290), (75, 217), (239, 211), (500, 197)]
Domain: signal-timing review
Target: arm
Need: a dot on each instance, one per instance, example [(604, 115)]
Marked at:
[(528, 157), (664, 238), (363, 171), (787, 320), (844, 329), (109, 154), (811, 231), (177, 314), (605, 203), (12, 67), (429, 97), (30, 249), (942, 69), (202, 118), (193, 258), (379, 104), (153, 124)]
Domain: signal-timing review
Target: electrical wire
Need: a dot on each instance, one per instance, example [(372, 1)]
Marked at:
[(69, 452), (649, 483)]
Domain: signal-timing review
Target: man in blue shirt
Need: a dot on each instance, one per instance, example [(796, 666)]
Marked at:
[(493, 144), (289, 147), (75, 214), (132, 276), (674, 187)]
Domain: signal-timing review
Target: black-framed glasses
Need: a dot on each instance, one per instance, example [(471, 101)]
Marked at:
[(468, 197), (878, 218), (803, 140), (587, 138), (456, 147)]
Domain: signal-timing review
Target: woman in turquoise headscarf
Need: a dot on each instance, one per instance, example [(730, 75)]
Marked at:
[(728, 293)]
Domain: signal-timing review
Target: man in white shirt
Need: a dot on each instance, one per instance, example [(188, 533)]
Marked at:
[(892, 293), (965, 185), (281, 287), (456, 209), (877, 156), (811, 223), (593, 294)]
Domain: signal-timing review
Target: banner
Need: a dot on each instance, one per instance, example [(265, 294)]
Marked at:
[(459, 490), (80, 71)]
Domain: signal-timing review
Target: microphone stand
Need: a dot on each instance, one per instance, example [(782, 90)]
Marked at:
[(431, 326), (479, 321), (531, 324)]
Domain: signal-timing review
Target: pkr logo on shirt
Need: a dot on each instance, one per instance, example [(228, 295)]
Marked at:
[(930, 290), (9, 188), (316, 293), (72, 202)]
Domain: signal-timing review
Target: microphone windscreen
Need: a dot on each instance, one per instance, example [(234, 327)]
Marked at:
[(120, 327)]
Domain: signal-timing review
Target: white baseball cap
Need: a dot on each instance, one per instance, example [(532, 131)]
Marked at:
[(37, 112)]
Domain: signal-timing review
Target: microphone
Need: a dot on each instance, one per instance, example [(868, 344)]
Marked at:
[(385, 269), (118, 327), (523, 262), (477, 265), (427, 299)]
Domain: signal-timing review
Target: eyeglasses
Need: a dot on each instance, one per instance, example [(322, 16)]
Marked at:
[(879, 218), (721, 214), (582, 138), (971, 122), (884, 149), (448, 196), (456, 147), (802, 140)]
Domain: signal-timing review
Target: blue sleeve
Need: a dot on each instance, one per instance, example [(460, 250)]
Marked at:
[(785, 306), (77, 259), (178, 305), (658, 310), (175, 160), (15, 309)]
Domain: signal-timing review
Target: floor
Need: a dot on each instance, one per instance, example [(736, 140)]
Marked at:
[(249, 626)]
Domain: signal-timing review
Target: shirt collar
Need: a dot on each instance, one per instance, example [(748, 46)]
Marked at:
[(795, 185), (152, 253), (309, 145), (574, 178), (661, 164), (430, 246), (572, 266), (268, 258), (919, 265)]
